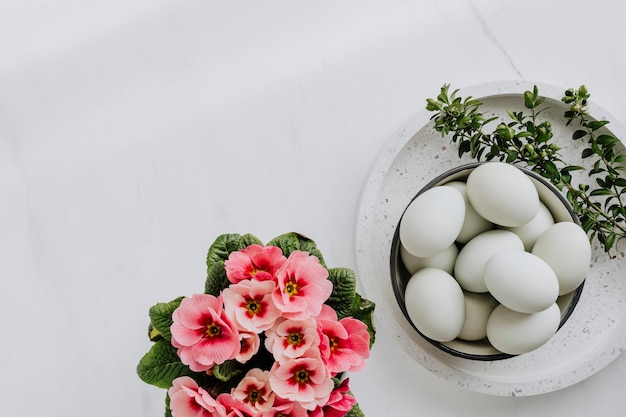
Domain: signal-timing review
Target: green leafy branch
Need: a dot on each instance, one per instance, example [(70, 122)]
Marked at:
[(526, 139)]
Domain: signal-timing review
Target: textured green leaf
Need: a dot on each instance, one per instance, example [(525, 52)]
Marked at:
[(292, 241), (364, 312), (249, 239), (222, 247), (355, 411), (161, 316), (343, 297), (161, 365), (168, 410), (597, 124), (216, 279), (227, 370)]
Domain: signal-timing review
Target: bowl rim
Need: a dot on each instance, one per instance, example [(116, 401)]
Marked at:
[(395, 253)]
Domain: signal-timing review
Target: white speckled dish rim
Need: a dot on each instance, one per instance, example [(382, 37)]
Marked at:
[(594, 335)]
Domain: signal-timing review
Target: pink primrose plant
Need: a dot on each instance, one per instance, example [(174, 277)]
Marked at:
[(290, 339), (286, 409), (254, 391), (339, 403), (250, 303), (305, 380), (303, 286), (234, 407), (187, 399), (344, 343), (250, 344), (203, 333), (255, 261)]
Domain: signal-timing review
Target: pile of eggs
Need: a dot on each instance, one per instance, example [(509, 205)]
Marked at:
[(487, 260)]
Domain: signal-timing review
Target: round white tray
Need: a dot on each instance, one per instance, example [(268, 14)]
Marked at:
[(594, 335)]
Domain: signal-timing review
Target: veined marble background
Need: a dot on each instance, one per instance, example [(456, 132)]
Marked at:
[(134, 132)]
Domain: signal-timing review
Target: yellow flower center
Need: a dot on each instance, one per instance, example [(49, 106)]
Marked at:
[(254, 396), (253, 307), (212, 330), (295, 338), (332, 342), (302, 376), (291, 288)]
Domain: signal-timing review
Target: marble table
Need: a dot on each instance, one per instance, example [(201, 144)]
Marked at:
[(134, 132)]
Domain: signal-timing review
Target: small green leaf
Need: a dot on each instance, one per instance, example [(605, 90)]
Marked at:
[(620, 158), (364, 311), (290, 242), (586, 153), (579, 134), (227, 370), (161, 316), (223, 246), (344, 291), (597, 124), (216, 279), (355, 411), (609, 241), (600, 191), (161, 365)]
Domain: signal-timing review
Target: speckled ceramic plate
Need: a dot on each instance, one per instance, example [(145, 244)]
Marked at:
[(595, 333)]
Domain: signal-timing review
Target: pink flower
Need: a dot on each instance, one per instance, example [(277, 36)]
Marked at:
[(250, 303), (233, 406), (290, 339), (203, 333), (286, 409), (305, 380), (344, 344), (255, 261), (303, 286), (339, 403), (254, 390), (250, 343), (187, 399)]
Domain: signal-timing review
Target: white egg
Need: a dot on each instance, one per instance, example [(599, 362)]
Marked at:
[(474, 223), (478, 308), (566, 248), (443, 260), (470, 263), (521, 281), (515, 333), (432, 221), (502, 194), (530, 232), (435, 304)]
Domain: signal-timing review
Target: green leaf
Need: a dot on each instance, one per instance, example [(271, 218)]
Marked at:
[(216, 279), (223, 246), (343, 297), (227, 370), (355, 411), (292, 241), (620, 158), (597, 124), (607, 140), (249, 239), (586, 153), (168, 410), (579, 134), (609, 241), (161, 316), (600, 191), (161, 365), (364, 311)]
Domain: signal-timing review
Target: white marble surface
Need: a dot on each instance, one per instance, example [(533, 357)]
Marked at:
[(132, 133)]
